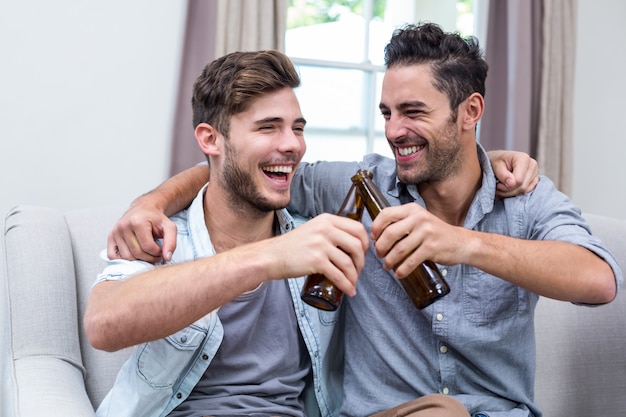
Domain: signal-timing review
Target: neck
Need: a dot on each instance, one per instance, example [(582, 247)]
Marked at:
[(451, 199), (230, 228)]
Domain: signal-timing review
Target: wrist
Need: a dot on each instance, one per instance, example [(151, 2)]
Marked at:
[(150, 202)]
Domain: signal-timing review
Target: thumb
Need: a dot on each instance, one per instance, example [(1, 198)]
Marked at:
[(509, 180), (169, 240)]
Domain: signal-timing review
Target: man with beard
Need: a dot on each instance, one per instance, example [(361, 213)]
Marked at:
[(476, 344), (215, 330)]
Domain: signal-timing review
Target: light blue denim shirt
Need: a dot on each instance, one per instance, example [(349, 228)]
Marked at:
[(159, 375), (477, 343)]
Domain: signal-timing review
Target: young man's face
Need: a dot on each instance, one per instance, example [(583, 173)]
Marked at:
[(419, 125), (265, 147)]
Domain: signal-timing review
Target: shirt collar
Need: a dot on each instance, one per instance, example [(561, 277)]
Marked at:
[(483, 202), (197, 228)]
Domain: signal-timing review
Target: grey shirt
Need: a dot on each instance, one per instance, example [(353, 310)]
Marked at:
[(477, 343), (160, 375), (262, 363)]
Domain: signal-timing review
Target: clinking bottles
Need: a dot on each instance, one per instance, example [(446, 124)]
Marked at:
[(318, 290), (425, 285)]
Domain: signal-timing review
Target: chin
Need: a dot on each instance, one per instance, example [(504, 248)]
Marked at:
[(404, 173), (409, 176), (280, 202)]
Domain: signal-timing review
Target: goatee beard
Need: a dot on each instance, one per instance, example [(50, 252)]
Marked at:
[(440, 163), (243, 195)]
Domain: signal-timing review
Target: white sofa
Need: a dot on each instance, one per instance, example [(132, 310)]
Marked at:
[(49, 368)]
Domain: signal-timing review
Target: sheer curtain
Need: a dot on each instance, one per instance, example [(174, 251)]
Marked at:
[(529, 103), (244, 25), (215, 28), (513, 84), (555, 144)]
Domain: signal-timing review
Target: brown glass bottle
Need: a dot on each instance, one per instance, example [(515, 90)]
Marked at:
[(425, 285), (318, 290)]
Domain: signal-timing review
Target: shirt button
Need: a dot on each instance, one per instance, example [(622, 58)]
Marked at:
[(439, 317), (445, 391), (179, 395), (205, 357), (444, 272), (183, 339), (443, 349)]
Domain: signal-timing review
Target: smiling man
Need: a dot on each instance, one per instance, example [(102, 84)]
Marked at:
[(476, 344), (471, 352), (215, 330)]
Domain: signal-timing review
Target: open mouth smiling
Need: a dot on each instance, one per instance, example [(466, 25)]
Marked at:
[(278, 172), (409, 150)]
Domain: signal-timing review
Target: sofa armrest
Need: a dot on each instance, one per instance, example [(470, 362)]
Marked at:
[(48, 387), (43, 372)]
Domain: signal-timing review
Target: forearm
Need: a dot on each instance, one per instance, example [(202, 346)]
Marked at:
[(553, 269), (176, 193), (158, 303)]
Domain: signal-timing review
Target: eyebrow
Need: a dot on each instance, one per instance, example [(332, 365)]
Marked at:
[(278, 120), (406, 105)]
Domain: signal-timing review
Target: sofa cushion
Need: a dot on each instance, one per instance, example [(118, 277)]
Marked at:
[(581, 351)]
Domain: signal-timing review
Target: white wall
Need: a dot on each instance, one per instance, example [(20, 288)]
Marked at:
[(87, 91), (86, 97), (599, 183)]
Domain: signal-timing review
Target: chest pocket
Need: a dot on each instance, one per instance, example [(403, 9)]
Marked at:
[(162, 362), (487, 298)]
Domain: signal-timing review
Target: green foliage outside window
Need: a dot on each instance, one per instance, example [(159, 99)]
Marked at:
[(312, 12), (464, 6)]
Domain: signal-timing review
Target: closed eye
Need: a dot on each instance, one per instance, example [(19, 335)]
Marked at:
[(414, 112)]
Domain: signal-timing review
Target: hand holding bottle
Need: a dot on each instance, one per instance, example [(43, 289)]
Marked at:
[(408, 234), (319, 290), (423, 283), (329, 245)]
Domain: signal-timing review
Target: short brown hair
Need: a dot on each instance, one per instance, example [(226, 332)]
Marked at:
[(228, 85)]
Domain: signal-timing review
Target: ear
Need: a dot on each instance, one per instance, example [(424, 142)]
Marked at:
[(473, 109), (208, 139)]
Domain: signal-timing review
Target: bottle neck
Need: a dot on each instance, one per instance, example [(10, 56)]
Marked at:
[(373, 199)]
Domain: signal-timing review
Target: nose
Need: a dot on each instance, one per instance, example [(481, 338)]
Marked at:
[(292, 142), (395, 127)]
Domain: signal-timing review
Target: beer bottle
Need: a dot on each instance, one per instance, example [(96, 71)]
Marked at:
[(425, 285), (318, 290)]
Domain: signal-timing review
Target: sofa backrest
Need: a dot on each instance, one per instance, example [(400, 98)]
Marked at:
[(581, 351), (52, 259), (88, 231)]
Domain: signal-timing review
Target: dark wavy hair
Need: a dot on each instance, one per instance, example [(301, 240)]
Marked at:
[(457, 64), (228, 85)]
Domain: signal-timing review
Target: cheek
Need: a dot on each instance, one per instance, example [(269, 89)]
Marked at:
[(303, 146)]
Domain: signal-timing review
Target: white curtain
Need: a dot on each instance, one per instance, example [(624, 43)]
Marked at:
[(512, 89), (554, 153), (529, 101), (244, 25), (213, 29)]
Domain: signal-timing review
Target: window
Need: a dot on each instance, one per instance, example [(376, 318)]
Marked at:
[(338, 47)]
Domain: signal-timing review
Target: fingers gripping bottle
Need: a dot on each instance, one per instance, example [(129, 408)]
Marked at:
[(318, 290), (424, 285)]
